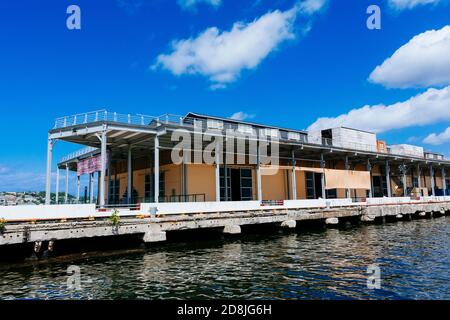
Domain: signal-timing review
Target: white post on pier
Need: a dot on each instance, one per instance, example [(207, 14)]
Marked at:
[(322, 165), (444, 183), (129, 175), (258, 172), (48, 183), (217, 160), (156, 169), (66, 192), (57, 186), (388, 179), (294, 179), (102, 169), (432, 180)]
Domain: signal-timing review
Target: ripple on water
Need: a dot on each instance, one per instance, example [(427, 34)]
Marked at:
[(329, 264)]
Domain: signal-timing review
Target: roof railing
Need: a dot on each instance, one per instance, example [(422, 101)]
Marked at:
[(104, 115), (77, 154)]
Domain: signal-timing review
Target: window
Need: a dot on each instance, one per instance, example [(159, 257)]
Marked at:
[(246, 184), (198, 124), (269, 132), (293, 136), (415, 182), (215, 124), (149, 186), (114, 189), (309, 176), (244, 128), (224, 197)]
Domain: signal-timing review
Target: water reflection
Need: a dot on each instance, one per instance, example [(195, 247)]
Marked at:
[(326, 264)]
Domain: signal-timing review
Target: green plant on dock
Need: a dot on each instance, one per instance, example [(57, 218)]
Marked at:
[(115, 218), (2, 225)]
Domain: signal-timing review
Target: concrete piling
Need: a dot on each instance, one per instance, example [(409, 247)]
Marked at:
[(154, 236), (232, 229), (331, 221), (37, 246), (289, 224)]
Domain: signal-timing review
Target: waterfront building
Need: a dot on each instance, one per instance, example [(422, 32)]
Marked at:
[(133, 158)]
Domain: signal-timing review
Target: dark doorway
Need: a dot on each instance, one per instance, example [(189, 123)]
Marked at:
[(313, 185), (238, 184)]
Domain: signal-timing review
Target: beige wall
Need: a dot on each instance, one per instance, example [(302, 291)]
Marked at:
[(274, 187), (201, 178)]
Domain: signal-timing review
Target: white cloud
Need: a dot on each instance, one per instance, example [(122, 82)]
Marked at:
[(222, 55), (409, 4), (190, 4), (437, 139), (241, 116), (311, 6), (429, 107), (424, 61)]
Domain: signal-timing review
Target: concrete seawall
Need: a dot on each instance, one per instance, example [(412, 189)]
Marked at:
[(154, 229)]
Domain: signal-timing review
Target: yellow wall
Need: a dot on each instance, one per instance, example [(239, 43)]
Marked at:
[(274, 187), (201, 178)]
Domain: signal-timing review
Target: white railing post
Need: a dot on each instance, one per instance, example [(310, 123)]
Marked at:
[(66, 194), (130, 175), (49, 171), (156, 169), (103, 169)]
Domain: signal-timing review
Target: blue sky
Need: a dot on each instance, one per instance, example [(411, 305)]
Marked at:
[(298, 63)]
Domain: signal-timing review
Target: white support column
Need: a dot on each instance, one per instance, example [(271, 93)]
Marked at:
[(258, 173), (156, 169), (109, 178), (444, 184), (66, 191), (369, 168), (294, 179), (322, 165), (57, 186), (217, 156), (129, 175), (432, 180), (388, 179), (225, 178), (347, 167), (91, 188), (103, 156), (185, 181), (48, 183), (78, 189)]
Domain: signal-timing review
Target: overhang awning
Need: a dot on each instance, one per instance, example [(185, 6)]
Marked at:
[(347, 179)]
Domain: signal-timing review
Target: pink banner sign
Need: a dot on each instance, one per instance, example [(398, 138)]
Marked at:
[(90, 165)]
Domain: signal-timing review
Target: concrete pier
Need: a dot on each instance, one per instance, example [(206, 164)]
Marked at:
[(43, 234)]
